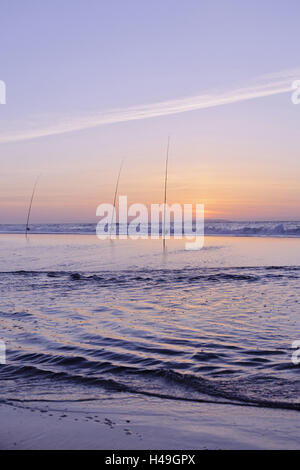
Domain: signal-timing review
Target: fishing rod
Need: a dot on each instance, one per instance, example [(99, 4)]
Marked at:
[(115, 195), (165, 196), (30, 206)]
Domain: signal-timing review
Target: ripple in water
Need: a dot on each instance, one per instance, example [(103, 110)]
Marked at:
[(221, 335)]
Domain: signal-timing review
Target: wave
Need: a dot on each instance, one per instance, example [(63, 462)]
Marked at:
[(74, 333), (192, 388), (228, 228), (157, 277)]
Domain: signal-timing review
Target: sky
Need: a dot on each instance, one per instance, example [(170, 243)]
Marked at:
[(89, 83)]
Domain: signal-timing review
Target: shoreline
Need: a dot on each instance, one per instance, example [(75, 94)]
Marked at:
[(172, 237), (135, 423), (42, 318)]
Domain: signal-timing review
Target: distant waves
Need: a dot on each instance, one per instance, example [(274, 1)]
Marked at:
[(229, 228)]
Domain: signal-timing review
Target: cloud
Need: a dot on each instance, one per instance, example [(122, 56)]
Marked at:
[(267, 85)]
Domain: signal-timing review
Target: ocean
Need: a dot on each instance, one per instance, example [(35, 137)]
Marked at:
[(84, 319)]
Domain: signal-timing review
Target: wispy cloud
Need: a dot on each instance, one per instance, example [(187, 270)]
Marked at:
[(264, 86)]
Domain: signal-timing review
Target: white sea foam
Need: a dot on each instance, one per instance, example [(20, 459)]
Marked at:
[(212, 227)]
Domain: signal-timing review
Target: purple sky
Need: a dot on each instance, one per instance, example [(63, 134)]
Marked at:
[(65, 63)]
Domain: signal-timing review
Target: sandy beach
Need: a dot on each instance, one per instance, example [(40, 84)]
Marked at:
[(149, 227), (135, 357), (146, 424)]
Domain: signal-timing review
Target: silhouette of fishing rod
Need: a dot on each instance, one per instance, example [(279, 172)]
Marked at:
[(165, 196), (27, 229), (115, 198)]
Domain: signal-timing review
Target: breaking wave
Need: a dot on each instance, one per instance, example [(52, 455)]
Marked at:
[(218, 227)]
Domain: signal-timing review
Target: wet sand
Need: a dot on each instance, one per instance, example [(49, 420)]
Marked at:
[(146, 424)]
